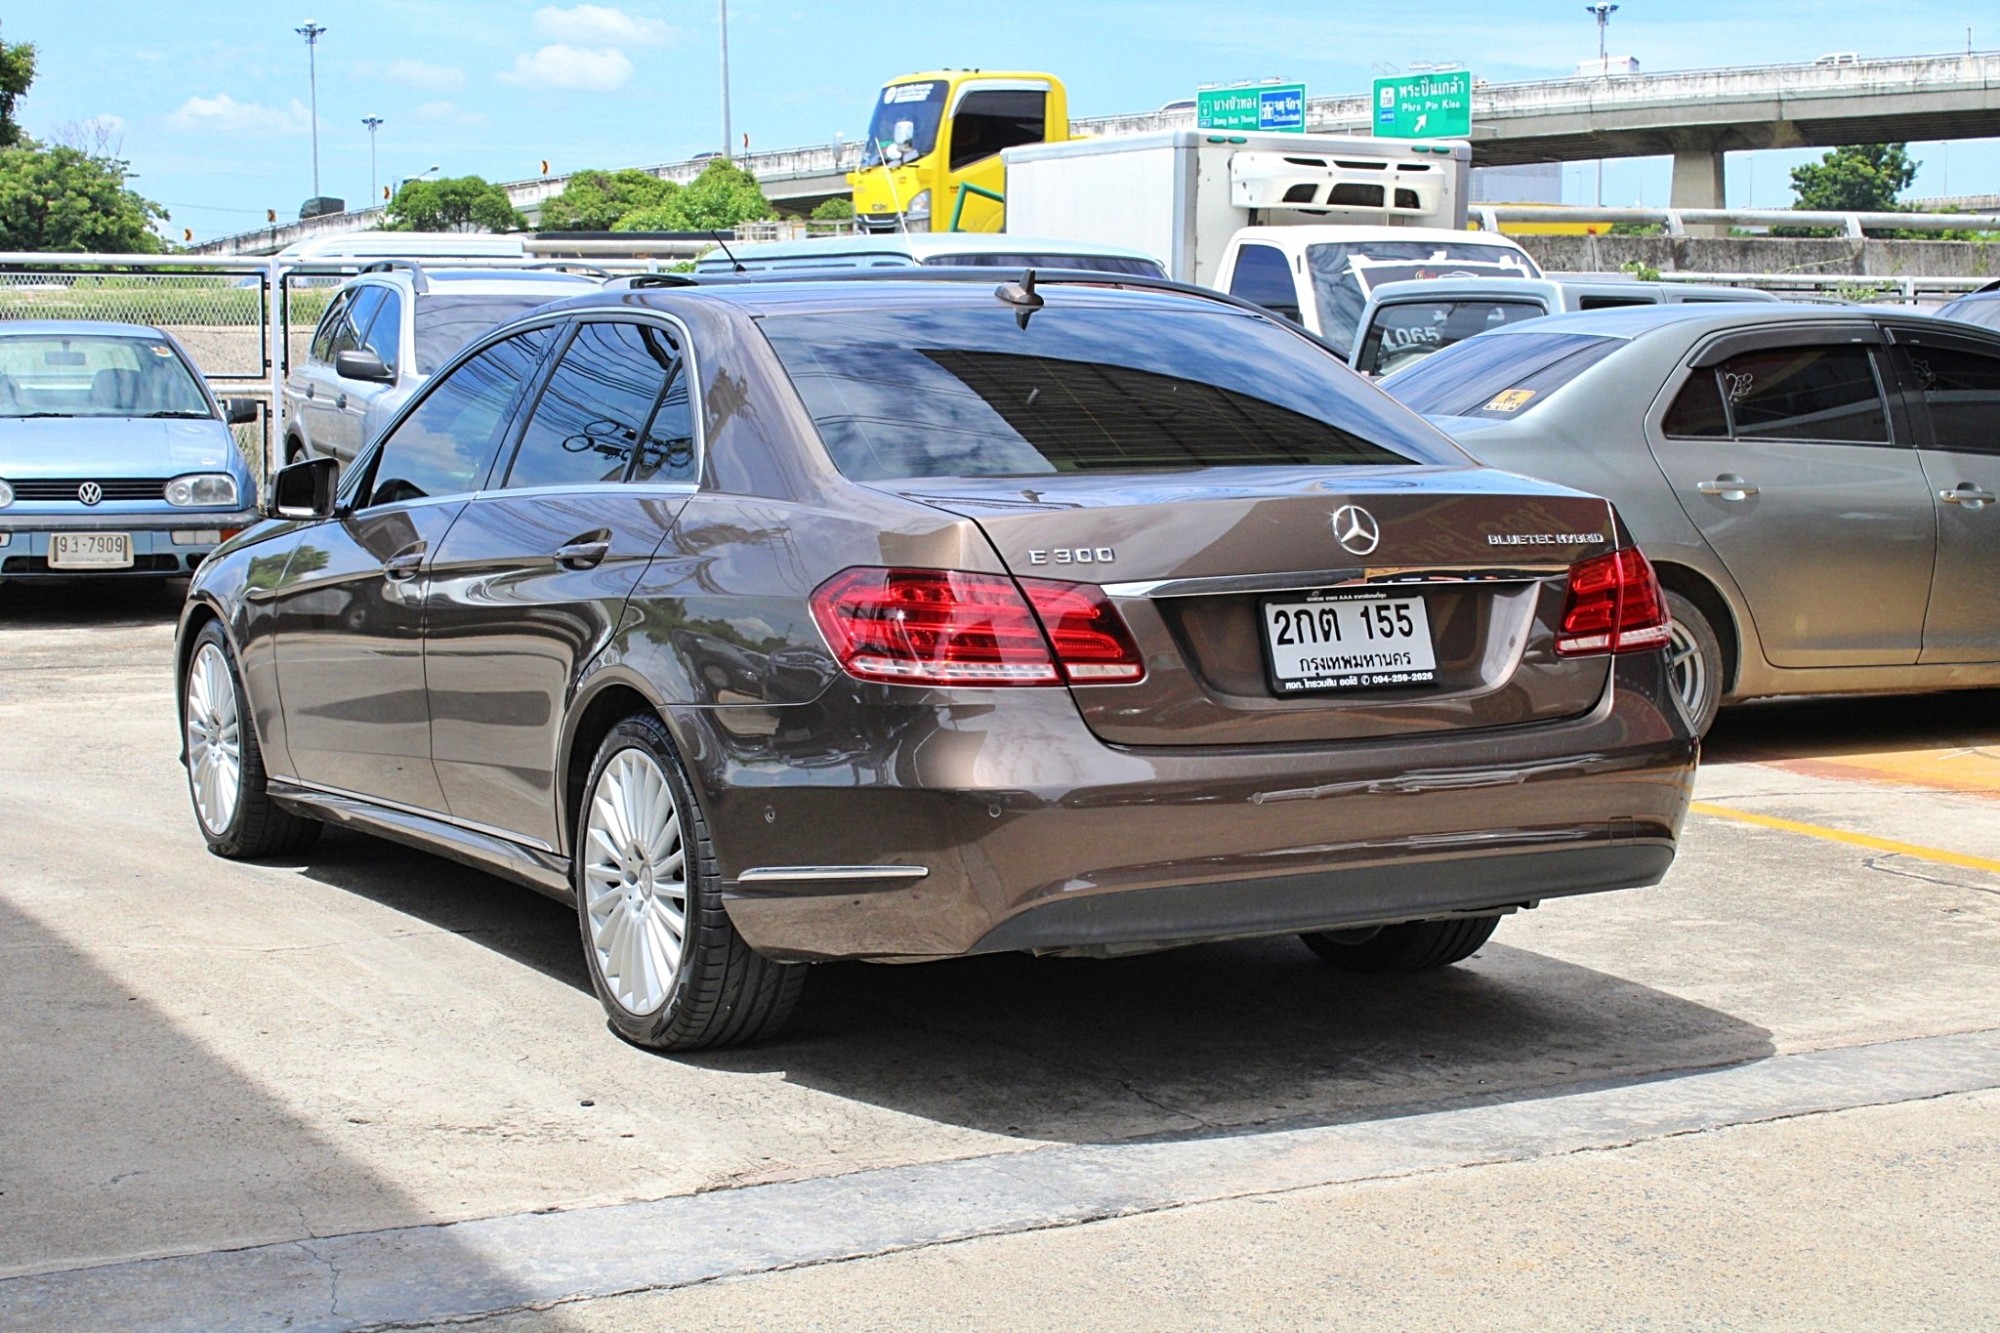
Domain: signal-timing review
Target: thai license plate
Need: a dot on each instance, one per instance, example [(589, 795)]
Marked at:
[(1347, 640), (90, 550)]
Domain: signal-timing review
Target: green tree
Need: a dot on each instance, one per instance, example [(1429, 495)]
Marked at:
[(17, 71), (837, 209), (456, 203), (63, 199), (722, 196), (595, 200), (1857, 178)]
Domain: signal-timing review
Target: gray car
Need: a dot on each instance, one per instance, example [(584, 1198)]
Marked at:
[(1815, 486), (387, 331), (913, 618)]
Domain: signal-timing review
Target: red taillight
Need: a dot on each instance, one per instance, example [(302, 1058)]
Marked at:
[(1614, 606), (1092, 645), (947, 627)]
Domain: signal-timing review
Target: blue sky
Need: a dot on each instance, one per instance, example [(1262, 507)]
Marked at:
[(210, 97)]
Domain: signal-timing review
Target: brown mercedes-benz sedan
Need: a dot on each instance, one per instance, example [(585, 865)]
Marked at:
[(914, 618)]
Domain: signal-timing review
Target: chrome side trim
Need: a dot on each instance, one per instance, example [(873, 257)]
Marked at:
[(469, 825), (497, 855), (1307, 580), (829, 874)]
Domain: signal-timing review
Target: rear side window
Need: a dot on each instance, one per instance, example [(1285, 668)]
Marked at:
[(1805, 393), (1401, 333), (446, 445), (1498, 378), (1263, 276), (1698, 412), (1962, 390), (1086, 386), (1612, 302), (600, 401), (998, 118)]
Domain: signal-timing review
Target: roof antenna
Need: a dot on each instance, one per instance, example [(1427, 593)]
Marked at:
[(736, 265), (1022, 296)]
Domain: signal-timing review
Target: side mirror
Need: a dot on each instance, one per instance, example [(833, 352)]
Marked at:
[(358, 363), (241, 411), (305, 489), (906, 134)]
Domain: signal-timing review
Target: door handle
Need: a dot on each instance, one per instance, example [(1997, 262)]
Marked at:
[(1728, 486), (341, 402), (404, 565), (583, 555), (309, 391), (1968, 495)]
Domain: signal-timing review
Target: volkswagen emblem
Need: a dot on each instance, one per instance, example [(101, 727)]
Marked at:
[(1356, 529), (90, 492)]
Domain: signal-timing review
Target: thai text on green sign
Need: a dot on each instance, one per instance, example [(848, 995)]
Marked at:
[(1279, 106), (1424, 106)]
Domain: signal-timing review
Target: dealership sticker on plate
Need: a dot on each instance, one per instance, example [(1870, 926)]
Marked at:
[(1510, 401)]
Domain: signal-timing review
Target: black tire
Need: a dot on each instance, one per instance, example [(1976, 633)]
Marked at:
[(295, 450), (257, 827), (1413, 946), (723, 992), (1695, 652)]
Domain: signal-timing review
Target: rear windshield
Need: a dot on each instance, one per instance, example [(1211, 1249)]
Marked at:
[(1500, 377), (1145, 268), (447, 323), (1410, 330), (966, 391)]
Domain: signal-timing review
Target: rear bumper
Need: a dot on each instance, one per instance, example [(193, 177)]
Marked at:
[(1032, 834)]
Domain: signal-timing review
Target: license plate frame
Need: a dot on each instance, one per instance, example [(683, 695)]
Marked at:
[(90, 550), (1406, 648)]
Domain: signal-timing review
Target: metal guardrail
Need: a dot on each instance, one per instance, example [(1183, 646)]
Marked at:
[(1678, 220)]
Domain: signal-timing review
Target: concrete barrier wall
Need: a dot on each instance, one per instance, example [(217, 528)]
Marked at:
[(1768, 254)]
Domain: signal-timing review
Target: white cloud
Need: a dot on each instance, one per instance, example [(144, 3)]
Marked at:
[(571, 67), (425, 77), (601, 25), (223, 114), (449, 113)]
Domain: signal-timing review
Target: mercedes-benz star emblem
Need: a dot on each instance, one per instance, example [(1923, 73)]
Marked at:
[(1356, 529), (90, 492)]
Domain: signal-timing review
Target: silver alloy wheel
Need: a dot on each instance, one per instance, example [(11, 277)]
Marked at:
[(635, 881), (214, 740), (1689, 669)]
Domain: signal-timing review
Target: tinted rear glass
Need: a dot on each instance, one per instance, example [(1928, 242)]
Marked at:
[(1498, 377), (967, 391)]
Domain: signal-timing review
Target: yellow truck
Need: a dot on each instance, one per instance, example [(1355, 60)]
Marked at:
[(932, 161)]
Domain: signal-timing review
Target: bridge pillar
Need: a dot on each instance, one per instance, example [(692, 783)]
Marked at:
[(1698, 180)]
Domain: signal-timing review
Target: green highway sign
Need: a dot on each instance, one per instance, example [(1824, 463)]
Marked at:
[(1267, 106), (1424, 106)]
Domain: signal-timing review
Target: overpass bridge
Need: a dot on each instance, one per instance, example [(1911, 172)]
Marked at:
[(1694, 115)]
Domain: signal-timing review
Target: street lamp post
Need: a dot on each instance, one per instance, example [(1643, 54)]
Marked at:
[(722, 21), (1602, 12), (373, 123), (311, 32)]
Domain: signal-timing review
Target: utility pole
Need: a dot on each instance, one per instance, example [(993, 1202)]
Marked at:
[(373, 123), (311, 32), (722, 25), (1603, 13)]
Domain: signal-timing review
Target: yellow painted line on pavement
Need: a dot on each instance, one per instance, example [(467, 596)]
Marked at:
[(1842, 836)]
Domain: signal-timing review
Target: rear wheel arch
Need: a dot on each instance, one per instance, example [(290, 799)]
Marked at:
[(1708, 599), (610, 702)]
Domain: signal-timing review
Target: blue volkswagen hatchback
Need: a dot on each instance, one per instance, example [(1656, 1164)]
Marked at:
[(115, 459)]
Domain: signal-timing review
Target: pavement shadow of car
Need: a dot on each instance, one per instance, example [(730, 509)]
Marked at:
[(57, 605), (1185, 1041), (1855, 724)]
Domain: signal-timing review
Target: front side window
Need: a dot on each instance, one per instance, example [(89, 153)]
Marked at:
[(1498, 378), (1805, 393), (385, 332), (600, 404), (1263, 276), (95, 375), (354, 321), (1404, 332), (446, 444), (993, 119), (1086, 386), (322, 343), (1962, 390)]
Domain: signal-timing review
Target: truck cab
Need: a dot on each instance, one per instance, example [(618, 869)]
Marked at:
[(932, 160), (1322, 276)]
